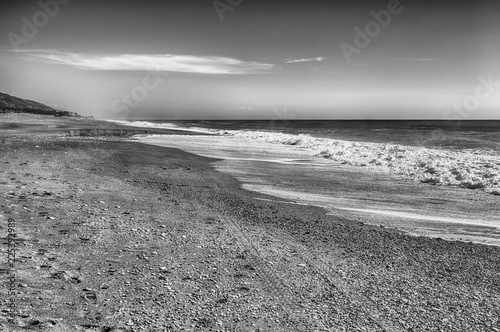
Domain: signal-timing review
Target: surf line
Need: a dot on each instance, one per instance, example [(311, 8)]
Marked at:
[(406, 215)]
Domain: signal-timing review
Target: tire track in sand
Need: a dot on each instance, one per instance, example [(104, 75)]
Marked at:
[(317, 266), (278, 288)]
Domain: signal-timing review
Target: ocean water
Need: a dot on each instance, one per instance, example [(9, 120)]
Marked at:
[(425, 133), (463, 154), (423, 177)]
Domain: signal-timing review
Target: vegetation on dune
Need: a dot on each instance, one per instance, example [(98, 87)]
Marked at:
[(11, 104)]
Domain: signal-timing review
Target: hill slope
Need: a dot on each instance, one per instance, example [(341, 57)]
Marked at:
[(11, 104)]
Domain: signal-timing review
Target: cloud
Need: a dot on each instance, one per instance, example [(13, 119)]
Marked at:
[(417, 59), (157, 62), (245, 108), (318, 59)]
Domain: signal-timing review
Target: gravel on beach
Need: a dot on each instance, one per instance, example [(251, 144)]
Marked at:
[(120, 236)]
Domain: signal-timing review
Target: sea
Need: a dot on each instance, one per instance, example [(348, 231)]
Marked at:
[(425, 178), (478, 134)]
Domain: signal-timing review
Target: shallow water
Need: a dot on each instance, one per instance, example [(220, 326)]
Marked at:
[(431, 134), (451, 162), (359, 194)]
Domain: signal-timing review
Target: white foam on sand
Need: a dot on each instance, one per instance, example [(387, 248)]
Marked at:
[(342, 203), (443, 224), (293, 173), (467, 168), (417, 216), (473, 169)]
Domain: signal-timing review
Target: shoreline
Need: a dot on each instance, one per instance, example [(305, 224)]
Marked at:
[(421, 164), (137, 238), (355, 193)]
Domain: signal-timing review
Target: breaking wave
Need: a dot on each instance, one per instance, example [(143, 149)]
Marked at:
[(467, 168)]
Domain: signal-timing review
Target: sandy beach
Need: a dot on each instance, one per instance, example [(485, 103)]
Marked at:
[(114, 235)]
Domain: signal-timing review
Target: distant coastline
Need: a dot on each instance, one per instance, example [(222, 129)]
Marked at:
[(43, 112), (11, 104)]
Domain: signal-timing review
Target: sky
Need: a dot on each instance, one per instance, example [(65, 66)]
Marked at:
[(255, 59)]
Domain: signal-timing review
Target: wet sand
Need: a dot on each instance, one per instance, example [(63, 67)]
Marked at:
[(121, 236), (359, 194)]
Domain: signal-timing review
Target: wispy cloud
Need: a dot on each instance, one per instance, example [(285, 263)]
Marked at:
[(416, 59), (245, 108), (157, 62), (318, 59)]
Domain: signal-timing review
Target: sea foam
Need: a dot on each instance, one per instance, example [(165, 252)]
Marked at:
[(473, 169), (467, 168)]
